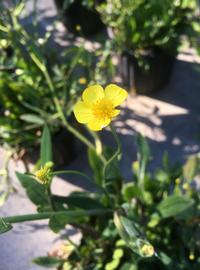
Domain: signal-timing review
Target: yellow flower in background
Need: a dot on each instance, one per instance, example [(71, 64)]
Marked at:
[(191, 256), (82, 80), (98, 106), (147, 250), (186, 186), (78, 27)]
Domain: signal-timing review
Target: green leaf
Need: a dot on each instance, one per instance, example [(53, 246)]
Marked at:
[(3, 197), (4, 226), (35, 191), (48, 262), (166, 162), (190, 168), (46, 147), (18, 9), (143, 148), (143, 155), (166, 260), (174, 205), (128, 266), (130, 191), (32, 118), (112, 172), (96, 165), (112, 265), (80, 200), (58, 221), (130, 233)]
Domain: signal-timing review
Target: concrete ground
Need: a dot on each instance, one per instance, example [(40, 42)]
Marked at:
[(169, 119)]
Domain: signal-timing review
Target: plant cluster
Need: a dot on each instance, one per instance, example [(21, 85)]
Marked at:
[(141, 26), (28, 74), (151, 222), (36, 83)]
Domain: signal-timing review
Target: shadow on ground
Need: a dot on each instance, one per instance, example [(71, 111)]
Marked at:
[(169, 119)]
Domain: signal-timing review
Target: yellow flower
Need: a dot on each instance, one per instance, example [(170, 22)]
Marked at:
[(97, 107), (191, 256), (147, 250), (78, 27), (43, 174), (186, 186), (177, 181), (82, 80), (135, 166)]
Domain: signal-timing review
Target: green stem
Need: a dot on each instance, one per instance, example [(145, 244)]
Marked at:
[(47, 215), (51, 198), (4, 29), (98, 144), (118, 151), (116, 139)]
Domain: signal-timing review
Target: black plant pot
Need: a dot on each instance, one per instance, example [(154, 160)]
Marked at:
[(147, 81), (64, 150), (78, 15)]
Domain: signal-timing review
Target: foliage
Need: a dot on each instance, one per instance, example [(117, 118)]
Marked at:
[(27, 102), (151, 222), (141, 26), (33, 75)]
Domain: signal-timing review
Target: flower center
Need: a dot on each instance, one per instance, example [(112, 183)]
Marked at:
[(103, 109)]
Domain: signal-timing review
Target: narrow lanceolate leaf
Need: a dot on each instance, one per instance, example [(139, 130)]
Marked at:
[(143, 155), (131, 235), (59, 220), (47, 261), (96, 165), (46, 147), (32, 118), (79, 200), (174, 205), (4, 226), (190, 168), (129, 266)]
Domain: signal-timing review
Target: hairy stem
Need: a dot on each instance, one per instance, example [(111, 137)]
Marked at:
[(47, 215)]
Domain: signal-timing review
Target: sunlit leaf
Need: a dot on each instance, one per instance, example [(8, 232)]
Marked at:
[(132, 236), (190, 167), (35, 191), (48, 262), (4, 226), (32, 118), (174, 205)]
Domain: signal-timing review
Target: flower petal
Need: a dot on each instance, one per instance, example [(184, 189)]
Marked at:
[(116, 94), (97, 124), (92, 94), (115, 113), (82, 112)]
